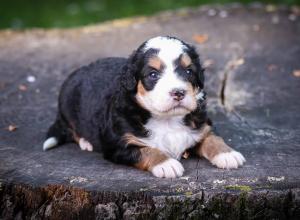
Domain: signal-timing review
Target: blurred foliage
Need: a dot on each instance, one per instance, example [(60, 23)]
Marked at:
[(69, 13)]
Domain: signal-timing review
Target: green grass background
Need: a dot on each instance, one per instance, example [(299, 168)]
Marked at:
[(19, 14)]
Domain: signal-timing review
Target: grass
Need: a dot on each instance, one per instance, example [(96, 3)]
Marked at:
[(19, 14), (242, 188)]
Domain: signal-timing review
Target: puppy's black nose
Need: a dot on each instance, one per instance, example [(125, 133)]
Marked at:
[(178, 94)]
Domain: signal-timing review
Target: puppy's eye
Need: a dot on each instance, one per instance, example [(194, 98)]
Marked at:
[(189, 71), (153, 75)]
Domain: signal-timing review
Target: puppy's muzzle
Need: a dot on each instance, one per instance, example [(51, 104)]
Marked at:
[(178, 94)]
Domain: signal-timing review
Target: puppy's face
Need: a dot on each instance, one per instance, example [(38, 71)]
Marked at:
[(169, 77)]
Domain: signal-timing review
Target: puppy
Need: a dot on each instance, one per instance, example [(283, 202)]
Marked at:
[(144, 111)]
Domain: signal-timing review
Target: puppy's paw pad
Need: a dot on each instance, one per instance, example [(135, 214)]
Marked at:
[(170, 168), (229, 160), (85, 145)]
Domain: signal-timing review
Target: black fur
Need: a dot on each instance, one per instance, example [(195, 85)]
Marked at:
[(97, 103)]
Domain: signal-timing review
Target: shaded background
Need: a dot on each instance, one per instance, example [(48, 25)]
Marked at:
[(19, 14)]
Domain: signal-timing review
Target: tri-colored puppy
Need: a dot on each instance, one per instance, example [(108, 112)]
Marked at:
[(145, 111)]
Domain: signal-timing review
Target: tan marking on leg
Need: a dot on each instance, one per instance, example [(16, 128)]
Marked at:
[(154, 160), (150, 157), (205, 131), (211, 146), (71, 128), (155, 62), (185, 60), (83, 144), (131, 139), (218, 152), (75, 136)]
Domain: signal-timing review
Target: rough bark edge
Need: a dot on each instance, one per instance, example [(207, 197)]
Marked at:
[(19, 201)]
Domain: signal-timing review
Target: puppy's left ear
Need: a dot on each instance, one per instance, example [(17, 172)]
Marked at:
[(201, 77), (196, 60), (129, 75)]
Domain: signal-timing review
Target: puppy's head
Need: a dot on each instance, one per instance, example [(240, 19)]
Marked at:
[(166, 76)]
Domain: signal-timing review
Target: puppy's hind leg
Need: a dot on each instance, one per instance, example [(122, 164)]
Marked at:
[(57, 134)]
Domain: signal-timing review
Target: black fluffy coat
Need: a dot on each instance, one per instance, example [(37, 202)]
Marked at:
[(97, 103)]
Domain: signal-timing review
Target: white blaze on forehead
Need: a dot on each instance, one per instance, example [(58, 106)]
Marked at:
[(169, 48)]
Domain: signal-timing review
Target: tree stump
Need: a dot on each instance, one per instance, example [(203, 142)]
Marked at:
[(251, 56)]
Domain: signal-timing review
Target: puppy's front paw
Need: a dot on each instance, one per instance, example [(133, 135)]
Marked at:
[(170, 168), (229, 160)]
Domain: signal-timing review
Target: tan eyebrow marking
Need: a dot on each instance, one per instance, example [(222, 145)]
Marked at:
[(155, 62), (185, 60)]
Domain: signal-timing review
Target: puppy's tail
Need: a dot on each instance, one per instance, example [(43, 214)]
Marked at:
[(50, 143), (56, 135)]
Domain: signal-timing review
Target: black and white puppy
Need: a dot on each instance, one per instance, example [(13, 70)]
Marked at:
[(144, 111)]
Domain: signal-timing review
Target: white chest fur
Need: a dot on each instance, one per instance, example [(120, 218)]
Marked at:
[(171, 136)]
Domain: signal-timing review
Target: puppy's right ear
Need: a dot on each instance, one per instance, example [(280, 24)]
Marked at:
[(130, 72)]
